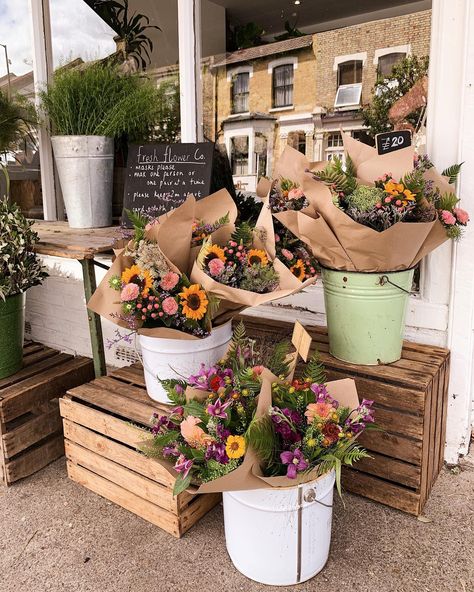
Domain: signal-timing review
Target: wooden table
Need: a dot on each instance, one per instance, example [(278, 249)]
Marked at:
[(57, 239)]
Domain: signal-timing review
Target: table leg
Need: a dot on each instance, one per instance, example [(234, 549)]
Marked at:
[(95, 327)]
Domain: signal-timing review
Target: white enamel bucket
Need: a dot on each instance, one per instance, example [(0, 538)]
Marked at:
[(280, 536), (179, 358)]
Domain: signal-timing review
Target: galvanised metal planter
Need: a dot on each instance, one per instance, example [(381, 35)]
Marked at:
[(12, 327), (85, 167), (366, 314)]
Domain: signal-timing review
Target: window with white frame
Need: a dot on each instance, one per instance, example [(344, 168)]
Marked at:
[(240, 92), (282, 86), (349, 84), (334, 146), (239, 155), (387, 62), (261, 154)]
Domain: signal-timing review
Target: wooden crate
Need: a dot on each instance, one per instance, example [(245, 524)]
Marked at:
[(30, 423), (104, 423), (411, 398)]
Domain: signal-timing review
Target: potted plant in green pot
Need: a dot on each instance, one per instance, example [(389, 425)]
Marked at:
[(89, 107), (19, 270)]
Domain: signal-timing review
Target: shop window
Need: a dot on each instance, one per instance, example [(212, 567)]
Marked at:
[(240, 92), (297, 140), (349, 84), (261, 151), (334, 146), (387, 62), (239, 155), (283, 86)]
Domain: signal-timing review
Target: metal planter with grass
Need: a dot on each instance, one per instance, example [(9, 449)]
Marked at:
[(12, 322)]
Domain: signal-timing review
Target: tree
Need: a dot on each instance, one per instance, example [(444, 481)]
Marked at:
[(388, 90)]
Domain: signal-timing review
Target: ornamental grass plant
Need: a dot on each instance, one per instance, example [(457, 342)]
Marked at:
[(99, 100)]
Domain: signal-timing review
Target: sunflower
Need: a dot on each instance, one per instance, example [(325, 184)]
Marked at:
[(235, 446), (194, 302), (136, 275), (214, 252), (256, 256), (298, 270)]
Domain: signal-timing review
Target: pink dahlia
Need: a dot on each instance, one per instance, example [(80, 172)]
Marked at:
[(461, 215), (129, 292), (170, 306), (287, 254), (216, 266), (169, 281), (295, 193), (448, 218)]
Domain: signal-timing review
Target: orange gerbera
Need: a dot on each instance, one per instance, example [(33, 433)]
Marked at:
[(298, 270), (257, 257), (194, 302), (139, 276)]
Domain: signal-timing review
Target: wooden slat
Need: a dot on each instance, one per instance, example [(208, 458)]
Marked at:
[(32, 370), (119, 453), (34, 459), (396, 422), (31, 432), (445, 395), (129, 480), (198, 508), (391, 445), (50, 383), (132, 374), (391, 469), (381, 491), (125, 390), (125, 499)]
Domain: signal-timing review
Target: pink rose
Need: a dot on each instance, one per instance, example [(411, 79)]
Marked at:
[(461, 215), (448, 218), (295, 193), (287, 254), (169, 281), (193, 434), (170, 306), (129, 292), (216, 266)]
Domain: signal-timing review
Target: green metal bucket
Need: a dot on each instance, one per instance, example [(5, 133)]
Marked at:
[(366, 314), (12, 327)]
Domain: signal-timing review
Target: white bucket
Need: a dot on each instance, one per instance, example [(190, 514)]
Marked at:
[(280, 536), (179, 358)]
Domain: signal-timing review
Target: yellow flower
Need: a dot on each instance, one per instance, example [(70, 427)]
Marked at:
[(409, 195), (215, 252), (136, 275), (257, 256), (298, 270), (194, 302), (235, 446)]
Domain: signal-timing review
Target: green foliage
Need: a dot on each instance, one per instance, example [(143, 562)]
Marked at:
[(181, 484), (346, 454), (452, 172), (169, 385), (98, 100), (364, 198), (448, 201), (248, 208), (212, 308), (167, 128), (139, 221), (387, 91), (259, 279), (243, 234), (278, 359), (290, 32), (245, 36), (130, 28), (261, 437), (17, 120), (19, 267), (340, 180), (314, 371)]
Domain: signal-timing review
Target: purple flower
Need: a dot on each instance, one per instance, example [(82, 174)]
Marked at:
[(222, 432), (284, 425), (322, 395), (162, 421), (295, 462), (218, 409), (183, 465), (209, 378), (216, 451), (361, 416), (170, 451)]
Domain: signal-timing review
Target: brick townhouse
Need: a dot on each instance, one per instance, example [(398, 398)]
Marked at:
[(301, 91)]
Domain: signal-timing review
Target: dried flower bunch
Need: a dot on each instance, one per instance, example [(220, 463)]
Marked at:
[(411, 199), (287, 195), (238, 264), (20, 269), (205, 437), (202, 230), (152, 294)]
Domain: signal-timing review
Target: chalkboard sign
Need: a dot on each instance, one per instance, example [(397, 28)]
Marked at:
[(391, 141), (159, 177)]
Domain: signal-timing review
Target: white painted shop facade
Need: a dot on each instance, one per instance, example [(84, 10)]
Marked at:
[(443, 311)]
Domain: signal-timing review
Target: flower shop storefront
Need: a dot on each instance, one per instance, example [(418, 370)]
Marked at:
[(207, 310)]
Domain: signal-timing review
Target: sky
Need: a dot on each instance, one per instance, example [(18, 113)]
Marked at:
[(76, 32)]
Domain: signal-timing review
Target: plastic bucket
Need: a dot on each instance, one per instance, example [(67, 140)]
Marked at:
[(12, 324), (280, 536), (85, 168), (179, 358), (366, 314)]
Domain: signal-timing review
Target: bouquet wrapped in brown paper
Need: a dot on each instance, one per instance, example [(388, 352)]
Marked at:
[(238, 425), (376, 213)]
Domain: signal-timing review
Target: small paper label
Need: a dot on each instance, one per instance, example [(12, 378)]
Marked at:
[(390, 141), (301, 340)]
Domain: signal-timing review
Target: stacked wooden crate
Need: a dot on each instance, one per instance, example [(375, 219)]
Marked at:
[(30, 424)]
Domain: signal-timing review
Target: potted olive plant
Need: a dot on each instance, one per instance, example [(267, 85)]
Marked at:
[(88, 108), (19, 270)]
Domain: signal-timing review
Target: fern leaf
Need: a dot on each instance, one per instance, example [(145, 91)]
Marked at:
[(243, 234), (261, 437), (277, 362), (452, 172), (315, 371), (139, 221), (448, 201), (170, 384), (350, 167)]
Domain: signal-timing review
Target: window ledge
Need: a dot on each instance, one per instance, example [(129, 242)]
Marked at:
[(287, 108), (238, 114)]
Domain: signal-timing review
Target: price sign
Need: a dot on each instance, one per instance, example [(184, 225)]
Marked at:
[(391, 141)]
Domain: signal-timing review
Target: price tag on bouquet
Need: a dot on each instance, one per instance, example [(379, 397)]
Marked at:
[(390, 141), (301, 339)]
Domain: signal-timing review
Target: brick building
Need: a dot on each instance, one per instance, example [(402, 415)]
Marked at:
[(302, 91)]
